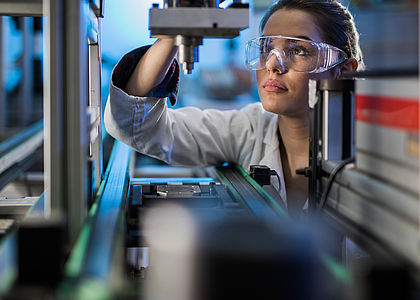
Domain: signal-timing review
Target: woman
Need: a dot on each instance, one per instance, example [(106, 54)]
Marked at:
[(301, 39)]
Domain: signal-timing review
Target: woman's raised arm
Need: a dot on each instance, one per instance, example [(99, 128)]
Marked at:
[(152, 68)]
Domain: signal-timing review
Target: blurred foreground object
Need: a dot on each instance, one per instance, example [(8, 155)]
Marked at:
[(196, 255)]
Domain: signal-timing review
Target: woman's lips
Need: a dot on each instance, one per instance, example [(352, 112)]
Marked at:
[(272, 85)]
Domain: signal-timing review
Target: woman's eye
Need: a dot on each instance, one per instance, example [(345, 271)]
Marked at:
[(265, 48), (301, 51)]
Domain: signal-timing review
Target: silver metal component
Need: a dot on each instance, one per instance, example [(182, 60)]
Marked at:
[(16, 208), (385, 167), (72, 46), (196, 21), (170, 3), (189, 25), (21, 8), (188, 51), (22, 150), (370, 203)]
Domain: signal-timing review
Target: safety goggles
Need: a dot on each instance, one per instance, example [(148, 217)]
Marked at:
[(292, 53)]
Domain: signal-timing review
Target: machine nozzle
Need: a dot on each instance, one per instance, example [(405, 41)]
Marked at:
[(188, 51)]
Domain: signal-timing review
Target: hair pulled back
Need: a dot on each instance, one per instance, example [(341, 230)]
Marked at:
[(332, 18)]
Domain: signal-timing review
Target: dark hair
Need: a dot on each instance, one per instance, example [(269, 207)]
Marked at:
[(332, 18)]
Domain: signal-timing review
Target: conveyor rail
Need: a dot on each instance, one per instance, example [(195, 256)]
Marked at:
[(19, 152), (248, 192)]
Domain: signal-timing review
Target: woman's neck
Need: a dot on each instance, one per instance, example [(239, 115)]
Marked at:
[(294, 134)]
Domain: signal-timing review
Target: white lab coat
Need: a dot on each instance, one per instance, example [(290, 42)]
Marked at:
[(190, 136)]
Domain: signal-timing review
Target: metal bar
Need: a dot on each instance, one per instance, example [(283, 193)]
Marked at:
[(347, 117), (104, 230), (92, 27), (16, 208), (315, 144), (245, 193), (377, 191), (376, 224), (76, 101), (20, 152), (21, 7), (95, 105), (54, 155), (19, 138), (25, 98), (3, 107), (17, 169)]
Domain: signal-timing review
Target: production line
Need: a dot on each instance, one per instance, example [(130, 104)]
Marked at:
[(101, 231)]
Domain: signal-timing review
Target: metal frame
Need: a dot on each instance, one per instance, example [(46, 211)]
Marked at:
[(102, 239), (358, 204), (95, 105), (71, 112), (29, 8), (72, 107), (24, 98), (19, 152), (331, 128)]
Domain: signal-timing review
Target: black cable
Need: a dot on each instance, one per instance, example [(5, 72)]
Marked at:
[(333, 174)]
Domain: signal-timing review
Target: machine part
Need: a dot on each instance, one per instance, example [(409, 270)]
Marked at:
[(387, 126), (191, 21), (248, 192), (331, 179), (360, 200), (198, 3), (331, 128), (16, 208), (188, 51), (260, 173), (21, 8)]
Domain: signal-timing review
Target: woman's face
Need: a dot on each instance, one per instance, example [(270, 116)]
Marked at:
[(284, 91)]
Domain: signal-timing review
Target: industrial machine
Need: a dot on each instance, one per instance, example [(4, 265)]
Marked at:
[(364, 172), (191, 21)]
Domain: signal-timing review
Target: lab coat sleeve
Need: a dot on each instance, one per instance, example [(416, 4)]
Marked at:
[(185, 136), (125, 67)]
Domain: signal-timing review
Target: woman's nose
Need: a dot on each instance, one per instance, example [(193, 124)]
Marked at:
[(275, 62)]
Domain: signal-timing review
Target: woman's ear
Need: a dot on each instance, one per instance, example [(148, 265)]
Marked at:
[(349, 65)]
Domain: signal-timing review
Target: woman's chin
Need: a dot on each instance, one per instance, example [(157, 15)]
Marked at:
[(276, 106)]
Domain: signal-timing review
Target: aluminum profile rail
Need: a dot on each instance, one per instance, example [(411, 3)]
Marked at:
[(246, 191), (19, 152), (381, 217), (92, 257), (29, 8), (70, 25)]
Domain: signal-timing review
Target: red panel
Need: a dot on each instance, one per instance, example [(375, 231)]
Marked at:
[(397, 113)]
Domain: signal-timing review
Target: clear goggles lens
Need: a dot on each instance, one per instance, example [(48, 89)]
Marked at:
[(292, 53)]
